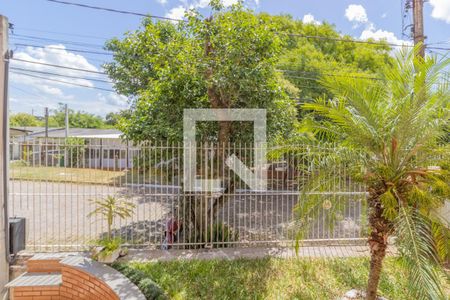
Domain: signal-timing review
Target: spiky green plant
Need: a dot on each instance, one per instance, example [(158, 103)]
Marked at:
[(390, 135), (109, 209)]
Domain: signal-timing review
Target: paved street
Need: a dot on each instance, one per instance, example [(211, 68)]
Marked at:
[(56, 214)]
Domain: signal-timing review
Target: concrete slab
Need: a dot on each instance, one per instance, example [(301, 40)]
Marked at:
[(36, 279), (256, 252)]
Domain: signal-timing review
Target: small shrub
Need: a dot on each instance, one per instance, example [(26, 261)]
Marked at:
[(219, 235), (109, 246), (19, 163), (150, 289)]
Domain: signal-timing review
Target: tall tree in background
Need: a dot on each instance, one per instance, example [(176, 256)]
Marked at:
[(24, 120), (77, 119), (312, 50), (394, 128)]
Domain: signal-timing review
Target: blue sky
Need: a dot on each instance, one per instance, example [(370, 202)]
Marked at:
[(65, 25)]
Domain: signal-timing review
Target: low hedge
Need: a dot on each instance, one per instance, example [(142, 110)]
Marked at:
[(150, 289)]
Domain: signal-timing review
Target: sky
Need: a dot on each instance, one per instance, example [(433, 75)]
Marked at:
[(48, 32)]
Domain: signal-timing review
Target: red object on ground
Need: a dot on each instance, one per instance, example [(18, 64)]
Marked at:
[(171, 230)]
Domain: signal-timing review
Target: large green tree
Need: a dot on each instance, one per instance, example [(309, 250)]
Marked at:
[(234, 59), (224, 61), (390, 133), (227, 60)]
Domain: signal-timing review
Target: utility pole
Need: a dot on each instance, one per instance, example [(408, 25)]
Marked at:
[(4, 156), (46, 121), (419, 36), (67, 120)]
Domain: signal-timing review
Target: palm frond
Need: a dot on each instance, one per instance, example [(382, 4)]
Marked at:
[(417, 253)]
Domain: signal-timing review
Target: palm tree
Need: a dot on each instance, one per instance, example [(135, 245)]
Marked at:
[(394, 129), (110, 208)]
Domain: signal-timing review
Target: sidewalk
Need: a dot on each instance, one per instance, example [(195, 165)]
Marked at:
[(256, 252)]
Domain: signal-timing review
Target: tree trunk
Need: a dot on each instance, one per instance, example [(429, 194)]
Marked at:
[(377, 240), (377, 253)]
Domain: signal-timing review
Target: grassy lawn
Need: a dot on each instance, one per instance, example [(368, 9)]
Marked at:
[(85, 175), (72, 175), (270, 278)]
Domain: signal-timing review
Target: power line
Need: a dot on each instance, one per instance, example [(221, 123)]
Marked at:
[(62, 33), (61, 75), (438, 48), (113, 10), (353, 41), (58, 66), (45, 39), (25, 91), (64, 49), (342, 39), (62, 81), (328, 74), (290, 34)]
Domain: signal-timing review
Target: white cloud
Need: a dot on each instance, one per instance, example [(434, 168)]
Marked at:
[(176, 13), (53, 55), (162, 1), (227, 3), (356, 13), (116, 100), (384, 15), (382, 35), (53, 91), (309, 19), (441, 10)]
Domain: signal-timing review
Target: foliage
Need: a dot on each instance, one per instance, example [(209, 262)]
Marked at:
[(165, 68), (392, 130), (218, 235), (148, 287), (109, 245), (269, 278), (77, 119), (110, 208), (253, 63), (74, 150), (23, 120), (305, 60), (112, 118)]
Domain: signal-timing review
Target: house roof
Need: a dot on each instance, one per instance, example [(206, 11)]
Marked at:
[(76, 132)]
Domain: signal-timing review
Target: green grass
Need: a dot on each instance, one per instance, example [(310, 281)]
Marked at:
[(271, 278), (72, 175), (85, 175)]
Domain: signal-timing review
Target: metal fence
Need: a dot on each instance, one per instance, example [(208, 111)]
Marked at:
[(53, 182)]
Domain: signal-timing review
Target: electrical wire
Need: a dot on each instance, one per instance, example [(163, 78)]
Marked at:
[(60, 75), (58, 66), (289, 34), (62, 81), (45, 39), (113, 10), (328, 74), (61, 33), (64, 49)]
